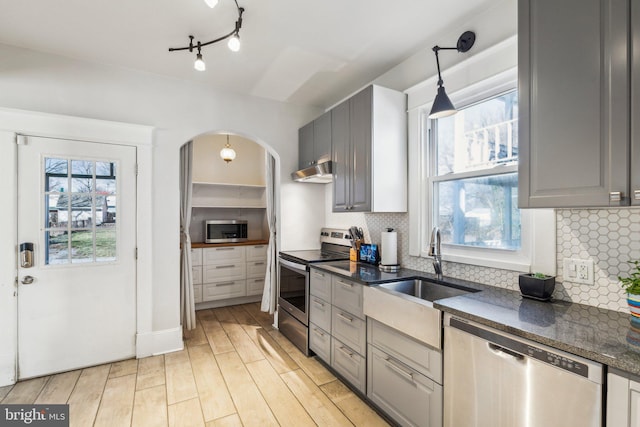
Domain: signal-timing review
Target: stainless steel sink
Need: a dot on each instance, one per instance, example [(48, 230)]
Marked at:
[(425, 289)]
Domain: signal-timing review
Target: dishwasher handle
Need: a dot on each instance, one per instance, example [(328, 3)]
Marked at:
[(499, 349)]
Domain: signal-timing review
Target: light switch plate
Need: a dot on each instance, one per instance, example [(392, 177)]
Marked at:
[(578, 270)]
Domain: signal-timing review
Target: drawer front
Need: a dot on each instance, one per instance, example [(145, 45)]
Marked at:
[(347, 295), (223, 290), (255, 286), (408, 397), (320, 312), (256, 268), (417, 355), (196, 257), (349, 364), (257, 253), (227, 253), (224, 271), (349, 329), (320, 342), (197, 293), (320, 284), (196, 273)]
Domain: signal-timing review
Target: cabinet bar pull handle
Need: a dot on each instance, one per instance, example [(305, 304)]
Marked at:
[(224, 284), (225, 249), (317, 273), (350, 285), (615, 196), (636, 195), (258, 280), (318, 303), (224, 266), (259, 247), (345, 351), (318, 332), (391, 364), (347, 318), (258, 263)]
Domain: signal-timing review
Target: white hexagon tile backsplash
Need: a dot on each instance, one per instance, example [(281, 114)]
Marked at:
[(610, 237)]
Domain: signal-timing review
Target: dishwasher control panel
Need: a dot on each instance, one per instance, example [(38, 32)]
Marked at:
[(510, 346)]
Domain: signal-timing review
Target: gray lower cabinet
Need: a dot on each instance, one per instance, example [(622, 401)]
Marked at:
[(338, 329), (404, 376), (574, 103)]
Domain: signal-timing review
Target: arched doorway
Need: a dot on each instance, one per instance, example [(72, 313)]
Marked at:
[(241, 191)]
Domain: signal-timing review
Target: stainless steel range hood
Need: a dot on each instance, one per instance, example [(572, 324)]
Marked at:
[(317, 174)]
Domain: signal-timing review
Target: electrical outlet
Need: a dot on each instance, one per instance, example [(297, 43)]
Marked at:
[(578, 270)]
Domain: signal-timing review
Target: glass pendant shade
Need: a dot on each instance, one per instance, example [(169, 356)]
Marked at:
[(227, 153), (199, 64), (442, 106)]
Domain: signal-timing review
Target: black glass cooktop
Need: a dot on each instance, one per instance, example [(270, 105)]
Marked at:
[(312, 255)]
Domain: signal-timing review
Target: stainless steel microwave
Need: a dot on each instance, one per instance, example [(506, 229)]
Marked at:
[(225, 230)]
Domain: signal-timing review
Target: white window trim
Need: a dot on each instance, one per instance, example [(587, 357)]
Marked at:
[(537, 252)]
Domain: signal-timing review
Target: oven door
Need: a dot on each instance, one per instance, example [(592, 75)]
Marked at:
[(294, 289)]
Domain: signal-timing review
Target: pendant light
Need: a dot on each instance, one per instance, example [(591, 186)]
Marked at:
[(233, 38), (442, 105), (227, 153)]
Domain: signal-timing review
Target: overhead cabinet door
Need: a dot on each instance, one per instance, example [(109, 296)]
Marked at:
[(574, 103)]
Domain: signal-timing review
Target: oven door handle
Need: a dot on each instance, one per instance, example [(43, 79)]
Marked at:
[(293, 265)]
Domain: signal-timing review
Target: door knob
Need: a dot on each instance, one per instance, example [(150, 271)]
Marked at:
[(27, 280)]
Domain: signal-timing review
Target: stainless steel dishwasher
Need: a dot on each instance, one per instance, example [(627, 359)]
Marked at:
[(492, 379)]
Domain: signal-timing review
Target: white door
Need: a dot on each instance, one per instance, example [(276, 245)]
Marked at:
[(77, 206)]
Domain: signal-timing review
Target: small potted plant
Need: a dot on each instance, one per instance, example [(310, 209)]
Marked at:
[(537, 286), (631, 286)]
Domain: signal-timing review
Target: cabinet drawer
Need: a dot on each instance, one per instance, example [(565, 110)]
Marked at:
[(223, 271), (417, 355), (320, 342), (257, 253), (227, 253), (196, 274), (196, 257), (197, 293), (320, 284), (255, 286), (256, 268), (347, 295), (349, 329), (407, 396), (349, 364), (320, 312), (224, 289)]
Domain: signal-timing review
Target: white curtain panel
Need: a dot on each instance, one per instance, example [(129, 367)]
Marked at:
[(270, 293), (187, 305)]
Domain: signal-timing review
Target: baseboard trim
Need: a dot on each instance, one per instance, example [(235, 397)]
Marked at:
[(159, 342), (227, 302)]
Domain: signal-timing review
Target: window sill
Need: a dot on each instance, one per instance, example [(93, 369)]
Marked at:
[(514, 265)]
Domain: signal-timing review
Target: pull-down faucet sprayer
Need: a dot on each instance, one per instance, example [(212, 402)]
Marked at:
[(434, 251)]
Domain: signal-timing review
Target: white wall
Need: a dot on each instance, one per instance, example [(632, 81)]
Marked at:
[(179, 111), (247, 168)]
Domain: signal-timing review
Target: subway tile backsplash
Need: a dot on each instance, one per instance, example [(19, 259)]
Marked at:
[(610, 237)]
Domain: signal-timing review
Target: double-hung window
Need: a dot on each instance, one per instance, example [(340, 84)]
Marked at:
[(472, 182)]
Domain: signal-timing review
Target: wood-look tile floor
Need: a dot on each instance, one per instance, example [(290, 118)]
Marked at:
[(235, 370)]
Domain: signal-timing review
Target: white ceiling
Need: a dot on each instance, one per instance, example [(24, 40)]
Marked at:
[(311, 53)]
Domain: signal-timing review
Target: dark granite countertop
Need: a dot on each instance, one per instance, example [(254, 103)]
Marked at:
[(605, 336)]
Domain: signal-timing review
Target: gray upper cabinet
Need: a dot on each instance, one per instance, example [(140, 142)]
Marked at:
[(574, 72), (635, 103), (369, 152), (314, 141)]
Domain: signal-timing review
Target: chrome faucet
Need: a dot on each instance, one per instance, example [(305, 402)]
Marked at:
[(434, 251)]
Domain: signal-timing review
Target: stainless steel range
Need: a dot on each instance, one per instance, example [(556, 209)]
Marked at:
[(293, 283)]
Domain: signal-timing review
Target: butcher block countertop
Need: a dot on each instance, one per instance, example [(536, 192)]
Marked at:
[(197, 245)]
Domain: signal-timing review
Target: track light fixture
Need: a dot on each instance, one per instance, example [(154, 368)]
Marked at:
[(442, 105), (233, 36)]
